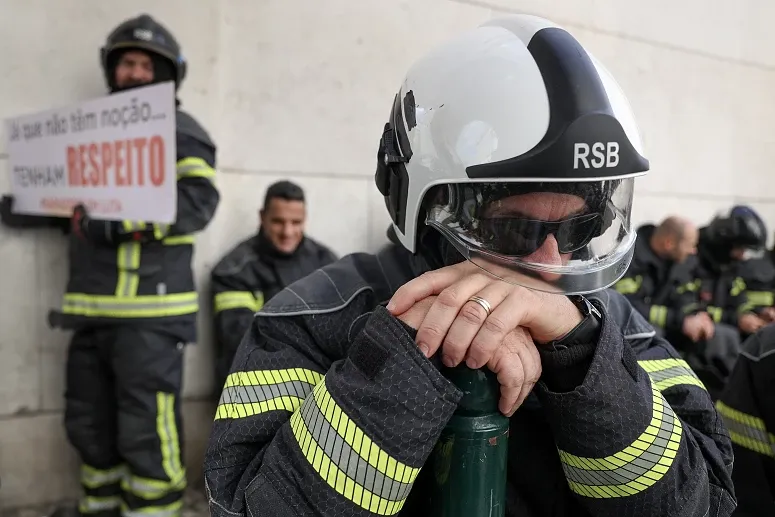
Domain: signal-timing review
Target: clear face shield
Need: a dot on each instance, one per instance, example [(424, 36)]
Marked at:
[(558, 237)]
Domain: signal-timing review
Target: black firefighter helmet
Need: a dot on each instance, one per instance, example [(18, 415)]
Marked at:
[(742, 228), (144, 33)]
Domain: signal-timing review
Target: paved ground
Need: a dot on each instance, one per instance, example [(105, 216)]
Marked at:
[(195, 506)]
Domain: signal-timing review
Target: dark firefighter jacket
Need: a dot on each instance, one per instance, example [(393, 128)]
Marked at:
[(146, 277), (661, 290), (331, 410), (248, 276), (748, 408), (730, 288)]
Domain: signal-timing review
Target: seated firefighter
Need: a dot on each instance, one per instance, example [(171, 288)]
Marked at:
[(661, 284), (337, 395), (261, 266), (748, 408)]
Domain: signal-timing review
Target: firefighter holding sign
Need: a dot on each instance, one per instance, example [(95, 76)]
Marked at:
[(132, 304)]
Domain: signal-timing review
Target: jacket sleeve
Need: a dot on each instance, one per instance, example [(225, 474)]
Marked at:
[(325, 425), (661, 316), (638, 436), (747, 406), (234, 304)]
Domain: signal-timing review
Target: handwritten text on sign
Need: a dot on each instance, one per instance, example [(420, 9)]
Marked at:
[(115, 154)]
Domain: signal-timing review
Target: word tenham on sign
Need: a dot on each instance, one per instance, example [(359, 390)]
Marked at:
[(120, 163)]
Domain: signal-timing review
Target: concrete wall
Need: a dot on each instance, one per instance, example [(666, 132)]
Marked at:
[(300, 89)]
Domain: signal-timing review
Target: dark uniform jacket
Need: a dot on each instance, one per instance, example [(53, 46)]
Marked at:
[(748, 408), (146, 278), (663, 291), (247, 277), (331, 410)]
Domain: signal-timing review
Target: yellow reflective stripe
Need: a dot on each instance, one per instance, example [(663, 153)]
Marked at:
[(716, 313), (160, 231), (169, 510), (91, 504), (247, 394), (128, 264), (755, 300), (347, 459), (177, 240), (738, 286), (228, 300), (633, 469), (194, 168), (629, 285), (144, 306), (689, 287), (92, 477), (150, 489), (690, 308), (658, 315), (133, 226), (666, 373), (167, 429), (747, 430)]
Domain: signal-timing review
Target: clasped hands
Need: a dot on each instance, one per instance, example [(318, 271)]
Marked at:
[(474, 317)]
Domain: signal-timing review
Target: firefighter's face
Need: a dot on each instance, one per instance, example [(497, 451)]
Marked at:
[(540, 206), (686, 245), (283, 223), (134, 68)]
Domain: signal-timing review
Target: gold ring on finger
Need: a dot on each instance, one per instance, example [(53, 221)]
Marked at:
[(484, 304)]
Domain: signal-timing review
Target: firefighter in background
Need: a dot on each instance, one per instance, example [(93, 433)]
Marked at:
[(262, 266), (661, 284), (335, 399), (748, 408), (132, 303)]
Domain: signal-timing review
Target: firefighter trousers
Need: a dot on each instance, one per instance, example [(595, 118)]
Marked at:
[(122, 415)]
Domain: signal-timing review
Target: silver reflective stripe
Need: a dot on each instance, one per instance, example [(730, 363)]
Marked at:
[(253, 394), (172, 510), (759, 437), (93, 478), (152, 488), (348, 461)]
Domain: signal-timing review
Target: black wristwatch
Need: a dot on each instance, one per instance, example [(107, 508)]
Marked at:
[(585, 332)]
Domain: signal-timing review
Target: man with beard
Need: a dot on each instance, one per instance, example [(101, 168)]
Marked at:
[(132, 303), (262, 266)]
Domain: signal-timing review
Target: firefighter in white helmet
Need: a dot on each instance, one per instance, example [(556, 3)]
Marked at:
[(507, 166)]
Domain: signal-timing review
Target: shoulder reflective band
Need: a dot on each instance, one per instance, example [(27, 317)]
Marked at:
[(666, 373), (194, 168), (347, 459), (756, 300), (228, 300), (633, 469), (144, 306), (252, 393), (747, 430), (629, 285), (658, 315)]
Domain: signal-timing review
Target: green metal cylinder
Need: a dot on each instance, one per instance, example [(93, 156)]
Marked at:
[(469, 461)]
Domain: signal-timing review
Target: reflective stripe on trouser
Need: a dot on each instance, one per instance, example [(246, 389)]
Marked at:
[(101, 489)]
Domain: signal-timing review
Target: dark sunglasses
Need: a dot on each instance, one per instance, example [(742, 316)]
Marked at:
[(519, 237)]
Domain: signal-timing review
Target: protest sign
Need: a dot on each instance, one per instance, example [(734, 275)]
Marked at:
[(115, 154)]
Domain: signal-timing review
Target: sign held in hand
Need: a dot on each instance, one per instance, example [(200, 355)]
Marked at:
[(115, 154)]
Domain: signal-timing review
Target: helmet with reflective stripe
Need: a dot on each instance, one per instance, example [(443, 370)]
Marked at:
[(513, 107), (143, 33)]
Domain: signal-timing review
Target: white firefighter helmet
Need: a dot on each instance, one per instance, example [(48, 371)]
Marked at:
[(514, 108)]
